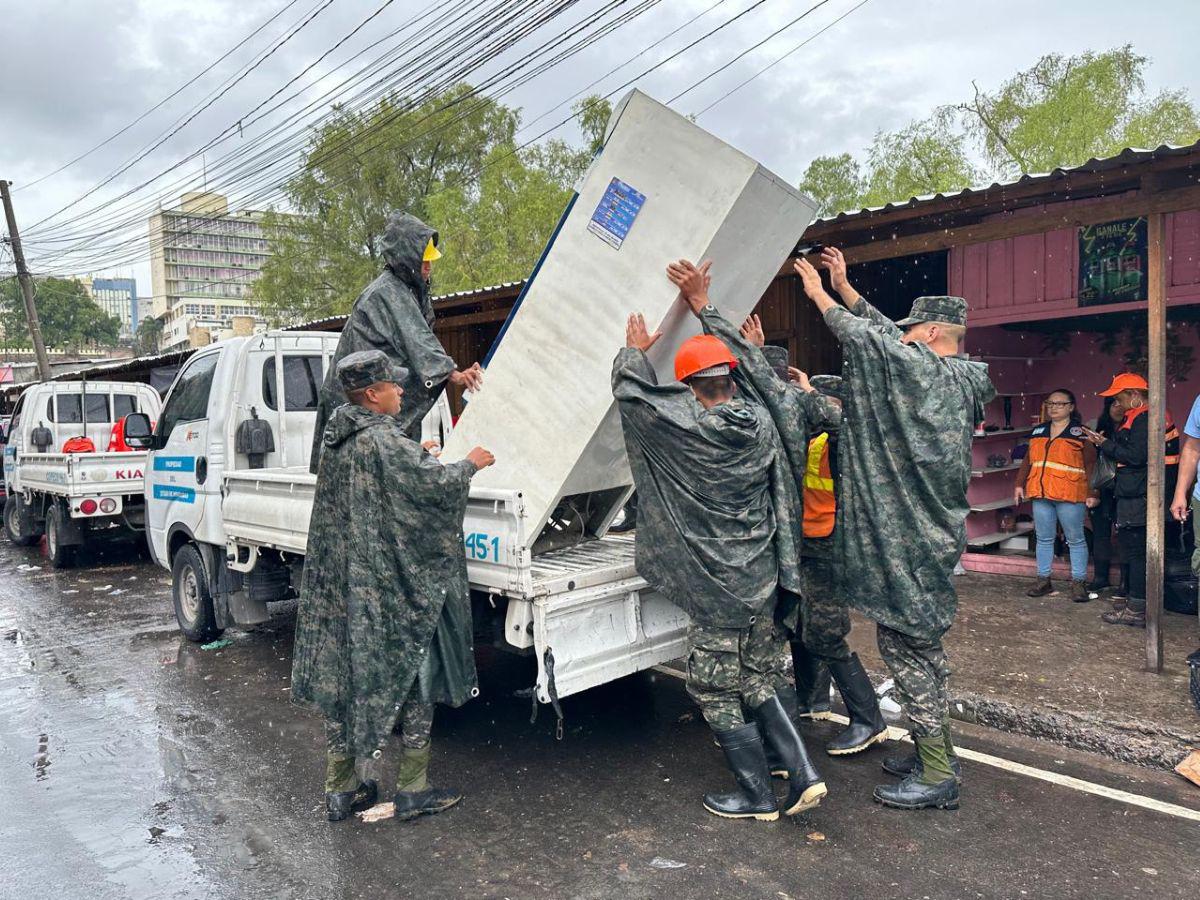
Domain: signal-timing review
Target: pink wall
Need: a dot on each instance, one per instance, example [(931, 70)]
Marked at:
[(1035, 277)]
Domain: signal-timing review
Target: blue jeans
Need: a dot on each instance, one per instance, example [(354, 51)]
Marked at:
[(1046, 515)]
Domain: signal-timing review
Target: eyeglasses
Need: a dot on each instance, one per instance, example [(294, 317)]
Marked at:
[(1059, 403)]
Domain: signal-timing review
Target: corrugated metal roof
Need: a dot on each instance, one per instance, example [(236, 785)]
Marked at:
[(127, 365), (480, 292), (1125, 157)]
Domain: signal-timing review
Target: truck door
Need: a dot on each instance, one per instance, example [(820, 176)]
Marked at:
[(177, 482), (14, 446)]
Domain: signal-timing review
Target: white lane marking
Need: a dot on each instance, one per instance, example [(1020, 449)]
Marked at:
[(1008, 765)]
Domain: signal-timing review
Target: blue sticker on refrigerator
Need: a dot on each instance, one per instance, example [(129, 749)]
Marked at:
[(615, 213)]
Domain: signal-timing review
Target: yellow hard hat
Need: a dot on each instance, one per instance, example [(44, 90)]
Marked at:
[(431, 252)]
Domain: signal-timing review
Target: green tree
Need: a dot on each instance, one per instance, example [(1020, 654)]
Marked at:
[(922, 158), (835, 183), (69, 318), (1063, 111), (148, 335), (452, 161)]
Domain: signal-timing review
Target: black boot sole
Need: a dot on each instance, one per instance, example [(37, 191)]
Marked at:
[(770, 816), (939, 804), (878, 738)]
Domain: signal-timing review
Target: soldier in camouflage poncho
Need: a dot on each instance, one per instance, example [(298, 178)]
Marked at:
[(395, 314), (816, 622), (384, 627), (905, 460), (716, 537)]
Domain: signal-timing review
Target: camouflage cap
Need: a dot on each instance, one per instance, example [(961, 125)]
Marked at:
[(829, 385), (360, 370), (948, 310)]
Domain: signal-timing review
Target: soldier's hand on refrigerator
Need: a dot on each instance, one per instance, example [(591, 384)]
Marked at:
[(482, 458), (470, 379), (752, 330), (434, 448), (692, 282), (636, 334)]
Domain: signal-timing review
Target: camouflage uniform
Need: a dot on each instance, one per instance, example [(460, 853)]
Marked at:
[(905, 462), (384, 626), (729, 667), (394, 314), (717, 532)]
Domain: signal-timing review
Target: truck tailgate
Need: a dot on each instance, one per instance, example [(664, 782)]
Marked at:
[(83, 474)]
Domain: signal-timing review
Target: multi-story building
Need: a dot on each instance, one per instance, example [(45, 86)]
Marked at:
[(203, 260), (118, 298)]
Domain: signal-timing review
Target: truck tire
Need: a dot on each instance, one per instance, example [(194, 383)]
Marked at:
[(193, 599), (60, 555), (12, 523)]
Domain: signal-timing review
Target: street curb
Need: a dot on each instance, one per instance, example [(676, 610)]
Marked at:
[(1138, 742)]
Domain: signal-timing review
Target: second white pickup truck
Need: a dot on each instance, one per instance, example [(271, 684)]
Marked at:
[(74, 498)]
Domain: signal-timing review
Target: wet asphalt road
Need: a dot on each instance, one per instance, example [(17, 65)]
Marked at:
[(136, 764)]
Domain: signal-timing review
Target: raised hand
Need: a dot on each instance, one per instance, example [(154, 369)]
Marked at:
[(692, 281), (482, 458), (752, 330), (832, 259), (637, 335)]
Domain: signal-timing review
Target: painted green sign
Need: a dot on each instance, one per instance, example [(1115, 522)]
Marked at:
[(1112, 262)]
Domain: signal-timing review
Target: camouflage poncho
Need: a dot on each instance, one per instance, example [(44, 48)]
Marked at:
[(394, 314), (716, 526), (905, 462), (384, 599)]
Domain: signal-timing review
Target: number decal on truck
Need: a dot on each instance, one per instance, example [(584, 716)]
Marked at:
[(482, 547)]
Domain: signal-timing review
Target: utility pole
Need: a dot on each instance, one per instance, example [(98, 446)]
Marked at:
[(35, 329)]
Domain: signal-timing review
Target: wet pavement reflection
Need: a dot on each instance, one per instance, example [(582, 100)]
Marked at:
[(137, 764)]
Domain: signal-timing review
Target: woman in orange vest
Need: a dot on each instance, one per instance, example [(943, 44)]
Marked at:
[(1056, 475)]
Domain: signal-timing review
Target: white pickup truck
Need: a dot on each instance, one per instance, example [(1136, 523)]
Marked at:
[(229, 498), (74, 498)]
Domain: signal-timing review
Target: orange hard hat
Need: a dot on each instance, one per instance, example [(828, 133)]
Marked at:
[(1126, 381), (703, 352)]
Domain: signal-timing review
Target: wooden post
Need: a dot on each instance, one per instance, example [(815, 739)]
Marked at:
[(1156, 330)]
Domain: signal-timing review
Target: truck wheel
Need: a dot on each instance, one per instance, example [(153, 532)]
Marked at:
[(61, 556), (193, 601), (12, 523)]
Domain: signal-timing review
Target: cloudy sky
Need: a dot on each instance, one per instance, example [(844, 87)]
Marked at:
[(78, 71)]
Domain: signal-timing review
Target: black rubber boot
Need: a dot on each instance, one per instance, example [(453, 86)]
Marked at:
[(805, 785), (1099, 580), (867, 725), (744, 754), (787, 698), (340, 804), (431, 800), (812, 684)]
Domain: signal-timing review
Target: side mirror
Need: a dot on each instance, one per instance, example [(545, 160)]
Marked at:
[(139, 434)]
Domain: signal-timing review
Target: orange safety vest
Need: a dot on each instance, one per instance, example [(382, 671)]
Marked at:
[(1056, 469), (820, 507)]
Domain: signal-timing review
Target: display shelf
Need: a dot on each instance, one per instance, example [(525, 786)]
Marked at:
[(979, 473), (993, 505), (997, 537), (1005, 432)]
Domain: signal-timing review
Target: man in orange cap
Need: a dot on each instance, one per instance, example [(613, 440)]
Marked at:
[(717, 536), (1129, 448)]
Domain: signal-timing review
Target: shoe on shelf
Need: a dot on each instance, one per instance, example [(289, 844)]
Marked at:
[(1043, 588)]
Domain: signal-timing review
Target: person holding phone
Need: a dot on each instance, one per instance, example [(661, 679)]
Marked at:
[(1129, 448)]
